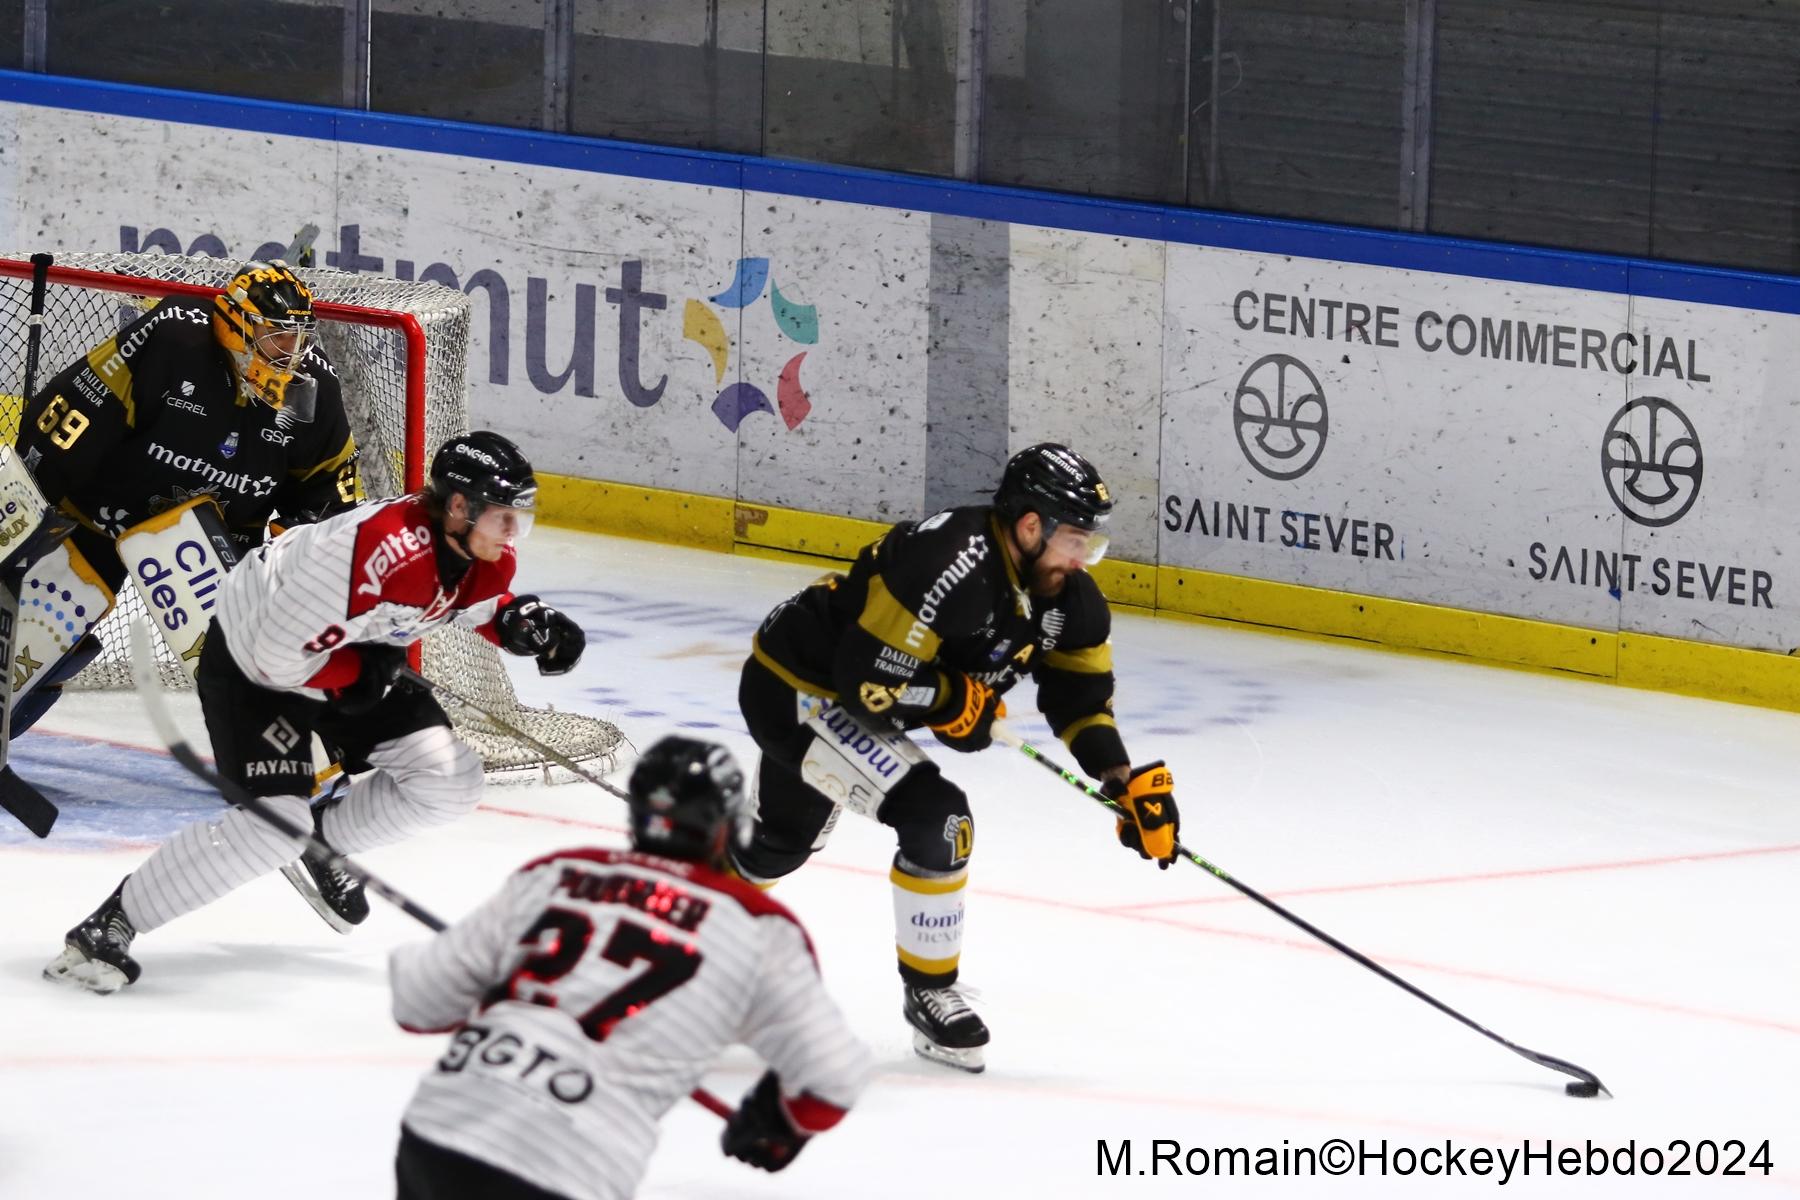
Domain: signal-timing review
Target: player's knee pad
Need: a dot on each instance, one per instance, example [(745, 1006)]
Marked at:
[(436, 776), (931, 816)]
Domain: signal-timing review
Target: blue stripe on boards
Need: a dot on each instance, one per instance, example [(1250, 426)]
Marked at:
[(1267, 235)]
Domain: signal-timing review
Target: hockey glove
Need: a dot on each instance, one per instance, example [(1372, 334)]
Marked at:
[(759, 1132), (967, 714), (529, 626), (378, 667), (1153, 823)]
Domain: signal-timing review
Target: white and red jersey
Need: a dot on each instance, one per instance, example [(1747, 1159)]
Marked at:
[(367, 575), (591, 994)]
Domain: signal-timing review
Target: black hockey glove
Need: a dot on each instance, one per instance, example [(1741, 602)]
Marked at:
[(1152, 823), (964, 721), (759, 1132), (529, 626), (380, 666)]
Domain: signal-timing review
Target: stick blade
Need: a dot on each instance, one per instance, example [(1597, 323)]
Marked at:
[(26, 803)]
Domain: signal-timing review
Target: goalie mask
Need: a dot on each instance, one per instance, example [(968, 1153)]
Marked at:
[(264, 320), (491, 473), (684, 793)]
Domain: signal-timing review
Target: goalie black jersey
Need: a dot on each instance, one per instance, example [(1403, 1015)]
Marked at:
[(152, 417), (943, 595)]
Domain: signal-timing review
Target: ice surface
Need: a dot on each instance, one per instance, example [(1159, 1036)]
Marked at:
[(1601, 874)]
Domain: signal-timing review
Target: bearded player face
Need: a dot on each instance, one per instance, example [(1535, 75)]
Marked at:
[(1064, 552)]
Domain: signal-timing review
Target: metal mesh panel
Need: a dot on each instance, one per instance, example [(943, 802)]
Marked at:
[(371, 362)]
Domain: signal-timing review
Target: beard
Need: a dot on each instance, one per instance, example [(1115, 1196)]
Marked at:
[(1047, 580)]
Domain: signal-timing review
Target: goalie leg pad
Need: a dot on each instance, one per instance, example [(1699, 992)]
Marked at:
[(178, 559), (29, 710), (27, 522), (62, 598)]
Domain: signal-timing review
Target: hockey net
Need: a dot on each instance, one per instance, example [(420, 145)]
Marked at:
[(401, 349)]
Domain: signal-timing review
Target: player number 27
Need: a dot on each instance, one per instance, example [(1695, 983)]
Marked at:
[(62, 423), (672, 964)]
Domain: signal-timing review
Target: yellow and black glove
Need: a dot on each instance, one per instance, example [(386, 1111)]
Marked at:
[(1153, 823), (965, 720)]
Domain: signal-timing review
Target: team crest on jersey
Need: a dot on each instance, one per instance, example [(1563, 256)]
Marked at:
[(391, 553), (229, 446)]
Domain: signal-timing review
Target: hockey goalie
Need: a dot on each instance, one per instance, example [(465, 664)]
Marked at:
[(169, 447)]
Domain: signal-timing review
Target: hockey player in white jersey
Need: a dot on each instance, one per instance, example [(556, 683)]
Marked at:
[(309, 635), (594, 989)]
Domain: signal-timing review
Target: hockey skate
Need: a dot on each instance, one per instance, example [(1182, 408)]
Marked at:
[(945, 1029), (333, 892), (96, 954)]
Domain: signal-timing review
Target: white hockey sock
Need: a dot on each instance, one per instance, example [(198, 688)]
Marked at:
[(928, 918), (209, 858), (424, 779)]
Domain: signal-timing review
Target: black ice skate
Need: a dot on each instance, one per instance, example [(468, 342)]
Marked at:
[(96, 954), (334, 893), (945, 1029)]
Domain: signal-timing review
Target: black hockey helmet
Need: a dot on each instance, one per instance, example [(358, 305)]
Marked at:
[(1056, 483), (486, 468), (683, 792)]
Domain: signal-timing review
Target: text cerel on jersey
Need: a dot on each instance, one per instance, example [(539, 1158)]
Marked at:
[(1381, 1159)]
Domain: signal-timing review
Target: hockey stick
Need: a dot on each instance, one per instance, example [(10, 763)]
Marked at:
[(1588, 1084), (149, 689)]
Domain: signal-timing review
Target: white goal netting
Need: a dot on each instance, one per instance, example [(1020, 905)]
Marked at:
[(398, 415)]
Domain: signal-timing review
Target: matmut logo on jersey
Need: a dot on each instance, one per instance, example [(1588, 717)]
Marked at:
[(966, 560), (230, 481), (391, 553)]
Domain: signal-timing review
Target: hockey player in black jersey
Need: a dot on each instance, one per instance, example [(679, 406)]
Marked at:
[(930, 627), (231, 398)]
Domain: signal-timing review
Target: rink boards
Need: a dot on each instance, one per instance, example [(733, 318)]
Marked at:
[(1548, 459)]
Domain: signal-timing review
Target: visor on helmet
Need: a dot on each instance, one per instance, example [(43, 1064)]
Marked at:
[(508, 523), (1085, 546)]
